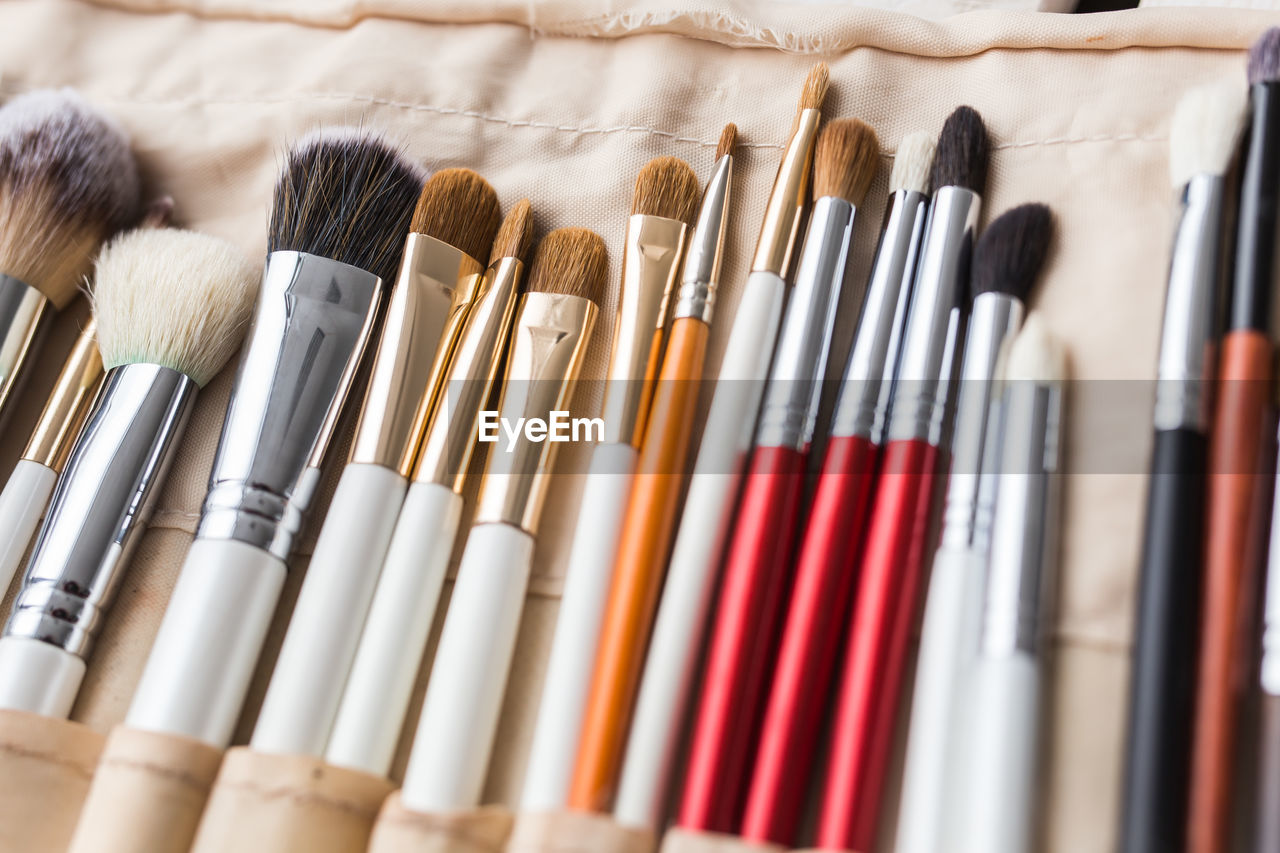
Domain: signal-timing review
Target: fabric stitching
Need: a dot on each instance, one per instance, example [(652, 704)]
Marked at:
[(24, 752), (182, 777), (302, 796), (459, 834)]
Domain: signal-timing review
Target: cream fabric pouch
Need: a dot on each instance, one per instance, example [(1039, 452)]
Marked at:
[(563, 103)]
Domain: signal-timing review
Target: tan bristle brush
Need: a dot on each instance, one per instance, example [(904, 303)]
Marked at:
[(441, 276), (67, 182)]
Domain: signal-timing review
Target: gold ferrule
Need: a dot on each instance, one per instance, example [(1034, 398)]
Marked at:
[(786, 202), (428, 304), (651, 261), (69, 403), (543, 359), (451, 438)]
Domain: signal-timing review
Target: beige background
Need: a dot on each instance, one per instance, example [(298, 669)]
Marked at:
[(563, 105)]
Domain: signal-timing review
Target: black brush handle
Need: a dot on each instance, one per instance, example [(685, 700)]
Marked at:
[(1162, 685)]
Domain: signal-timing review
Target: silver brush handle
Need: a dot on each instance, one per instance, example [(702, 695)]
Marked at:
[(23, 311)]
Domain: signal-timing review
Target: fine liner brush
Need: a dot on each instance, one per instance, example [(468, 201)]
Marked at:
[(722, 455), (758, 557), (1266, 817), (450, 236), (393, 642), (911, 474), (67, 182), (819, 605), (342, 205), (997, 783), (1238, 450), (171, 308), (1202, 139), (468, 677), (662, 211), (1006, 262)]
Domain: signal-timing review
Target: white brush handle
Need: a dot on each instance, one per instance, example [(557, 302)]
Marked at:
[(393, 643), (672, 660), (209, 641), (997, 788), (38, 677), (464, 695), (306, 685), (582, 603), (22, 503), (948, 646)]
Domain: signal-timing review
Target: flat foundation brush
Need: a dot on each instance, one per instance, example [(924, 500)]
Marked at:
[(171, 308), (440, 274), (341, 208)]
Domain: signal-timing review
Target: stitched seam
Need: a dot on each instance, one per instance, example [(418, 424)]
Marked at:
[(301, 796), (180, 776), (424, 825), (19, 751)]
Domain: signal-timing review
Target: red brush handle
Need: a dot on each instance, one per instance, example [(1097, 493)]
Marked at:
[(884, 607), (810, 641), (739, 657)]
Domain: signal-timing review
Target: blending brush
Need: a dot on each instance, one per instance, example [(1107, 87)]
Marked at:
[(823, 585), (1206, 126), (758, 556), (892, 559), (1238, 449), (727, 440), (1006, 263), (451, 233), (342, 205), (171, 308), (67, 182), (662, 210), (469, 674), (376, 695)]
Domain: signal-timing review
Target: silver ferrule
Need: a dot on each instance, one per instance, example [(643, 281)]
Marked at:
[(697, 295), (994, 318), (1024, 533), (1270, 672), (930, 345), (101, 505), (863, 405), (312, 324), (24, 313), (1187, 339), (791, 397)]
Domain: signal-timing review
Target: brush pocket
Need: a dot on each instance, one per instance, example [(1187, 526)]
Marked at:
[(683, 841), (400, 830), (46, 766), (567, 832)]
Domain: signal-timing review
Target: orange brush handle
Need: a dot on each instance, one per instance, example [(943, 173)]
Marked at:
[(647, 531), (1233, 552)]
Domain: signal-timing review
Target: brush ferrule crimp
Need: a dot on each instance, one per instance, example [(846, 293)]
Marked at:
[(867, 385), (697, 294), (24, 312), (101, 505), (697, 300), (311, 326), (1187, 339)]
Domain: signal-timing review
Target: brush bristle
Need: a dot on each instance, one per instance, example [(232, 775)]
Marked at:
[(67, 182), (815, 87), (572, 261), (1264, 57), (178, 299), (1036, 355), (158, 214), (728, 139), (845, 160), (1011, 252), (458, 207), (666, 187), (347, 195), (516, 234), (963, 150), (912, 163), (1205, 129)]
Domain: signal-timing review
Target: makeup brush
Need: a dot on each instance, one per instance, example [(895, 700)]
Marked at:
[(342, 205), (911, 476), (67, 182), (758, 559), (819, 605), (469, 674), (709, 504), (171, 308), (662, 211), (377, 692), (451, 233), (1239, 439), (1206, 126), (996, 784), (1266, 820)]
